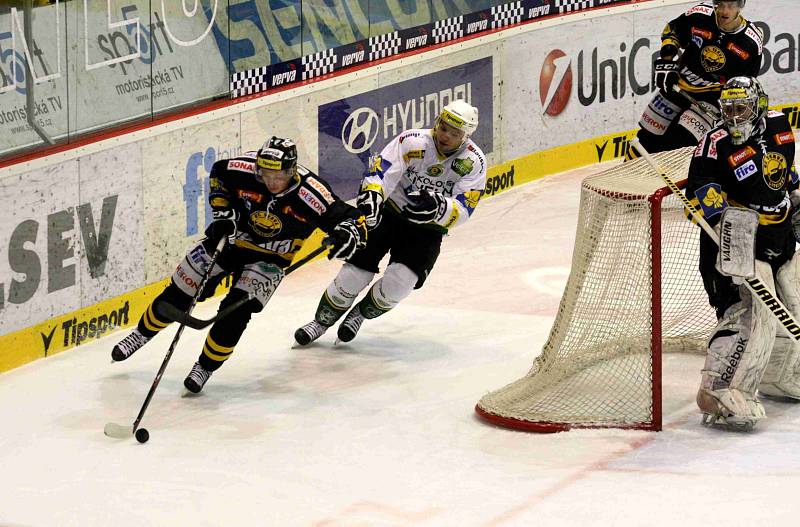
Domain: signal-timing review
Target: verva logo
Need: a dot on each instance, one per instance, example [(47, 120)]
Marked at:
[(555, 82)]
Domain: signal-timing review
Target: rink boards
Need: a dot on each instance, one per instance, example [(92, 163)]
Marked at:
[(90, 234)]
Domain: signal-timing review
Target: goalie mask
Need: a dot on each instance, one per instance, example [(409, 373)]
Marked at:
[(743, 104), (458, 115)]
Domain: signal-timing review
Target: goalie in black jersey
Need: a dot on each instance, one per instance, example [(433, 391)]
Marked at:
[(742, 178), (266, 205), (700, 51)]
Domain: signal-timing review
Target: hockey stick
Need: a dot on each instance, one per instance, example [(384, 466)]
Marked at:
[(755, 285), (124, 431), (178, 315), (708, 109)]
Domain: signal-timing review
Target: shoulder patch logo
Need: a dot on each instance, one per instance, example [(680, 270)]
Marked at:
[(462, 167), (312, 201), (784, 138), (243, 166), (741, 156), (319, 187)]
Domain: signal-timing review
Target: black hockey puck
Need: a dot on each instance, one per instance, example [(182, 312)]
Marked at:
[(142, 435)]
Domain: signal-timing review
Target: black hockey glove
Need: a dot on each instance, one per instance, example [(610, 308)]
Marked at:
[(369, 202), (223, 225), (666, 73), (347, 237), (425, 206)]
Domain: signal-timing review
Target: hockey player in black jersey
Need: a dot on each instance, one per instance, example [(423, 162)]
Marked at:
[(742, 178), (700, 51), (266, 205)]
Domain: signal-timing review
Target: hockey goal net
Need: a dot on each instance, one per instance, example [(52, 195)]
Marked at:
[(634, 292)]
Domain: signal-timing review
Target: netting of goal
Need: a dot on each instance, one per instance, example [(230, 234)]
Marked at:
[(634, 292)]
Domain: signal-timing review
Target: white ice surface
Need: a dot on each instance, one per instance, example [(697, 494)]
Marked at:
[(381, 432)]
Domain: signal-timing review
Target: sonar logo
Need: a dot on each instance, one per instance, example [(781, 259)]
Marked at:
[(555, 82)]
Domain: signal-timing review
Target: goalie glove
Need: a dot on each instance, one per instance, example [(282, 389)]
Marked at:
[(424, 206), (666, 73), (369, 202), (223, 225), (347, 237)]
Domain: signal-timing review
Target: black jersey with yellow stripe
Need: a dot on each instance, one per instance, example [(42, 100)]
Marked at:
[(275, 225), (712, 56), (758, 174)]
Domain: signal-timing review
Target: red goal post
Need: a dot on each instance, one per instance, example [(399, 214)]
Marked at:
[(634, 292)]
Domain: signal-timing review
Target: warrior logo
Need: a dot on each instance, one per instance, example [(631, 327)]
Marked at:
[(775, 168), (267, 225)]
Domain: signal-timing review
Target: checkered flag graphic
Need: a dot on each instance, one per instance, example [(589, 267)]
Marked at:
[(249, 82), (507, 14), (318, 63), (448, 29), (565, 6), (383, 46)]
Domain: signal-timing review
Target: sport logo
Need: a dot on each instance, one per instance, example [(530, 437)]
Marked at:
[(746, 170), (741, 156), (555, 82), (775, 169), (360, 130)]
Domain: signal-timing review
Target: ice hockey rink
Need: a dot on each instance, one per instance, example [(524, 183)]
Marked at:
[(381, 432)]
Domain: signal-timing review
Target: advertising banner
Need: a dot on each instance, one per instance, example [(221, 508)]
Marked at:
[(352, 128), (72, 236), (176, 167), (574, 89)]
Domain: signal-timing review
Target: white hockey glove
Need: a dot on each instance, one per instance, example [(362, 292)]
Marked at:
[(370, 202), (425, 206), (665, 73), (347, 237), (223, 225)]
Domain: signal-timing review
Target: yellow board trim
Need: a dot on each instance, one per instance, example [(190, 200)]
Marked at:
[(28, 344)]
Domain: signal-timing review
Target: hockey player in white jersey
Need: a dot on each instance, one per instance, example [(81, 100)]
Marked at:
[(424, 183)]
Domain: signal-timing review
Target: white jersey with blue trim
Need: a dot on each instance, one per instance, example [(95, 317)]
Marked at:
[(411, 162)]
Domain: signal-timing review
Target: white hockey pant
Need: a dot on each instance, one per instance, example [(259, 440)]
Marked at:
[(738, 352), (782, 376)]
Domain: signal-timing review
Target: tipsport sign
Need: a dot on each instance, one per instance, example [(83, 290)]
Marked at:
[(353, 128)]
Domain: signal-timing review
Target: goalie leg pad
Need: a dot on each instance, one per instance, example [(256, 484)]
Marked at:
[(782, 376), (738, 352), (190, 271)]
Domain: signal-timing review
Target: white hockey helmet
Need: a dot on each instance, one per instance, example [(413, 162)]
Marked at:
[(461, 115), (743, 103)]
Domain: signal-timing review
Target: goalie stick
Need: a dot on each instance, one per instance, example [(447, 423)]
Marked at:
[(185, 318), (758, 288), (124, 431)]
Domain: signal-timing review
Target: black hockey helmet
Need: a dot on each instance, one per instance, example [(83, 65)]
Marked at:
[(278, 154), (740, 3)]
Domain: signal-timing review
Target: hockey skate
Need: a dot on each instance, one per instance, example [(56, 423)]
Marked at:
[(729, 408), (197, 378), (309, 333), (350, 325), (128, 346)]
